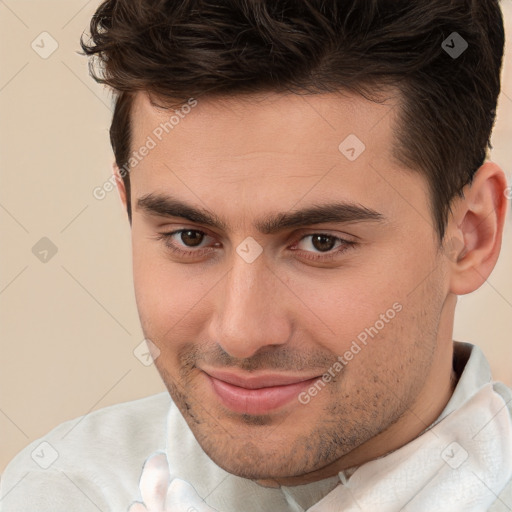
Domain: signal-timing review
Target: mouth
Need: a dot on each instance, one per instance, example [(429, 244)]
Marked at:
[(256, 394)]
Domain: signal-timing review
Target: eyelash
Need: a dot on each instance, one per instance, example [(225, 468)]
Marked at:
[(345, 245)]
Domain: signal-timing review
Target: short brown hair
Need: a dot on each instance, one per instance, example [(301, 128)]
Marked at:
[(189, 48)]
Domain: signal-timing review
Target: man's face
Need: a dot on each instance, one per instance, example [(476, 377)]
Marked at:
[(250, 312)]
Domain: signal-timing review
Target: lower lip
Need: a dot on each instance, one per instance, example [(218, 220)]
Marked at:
[(256, 401)]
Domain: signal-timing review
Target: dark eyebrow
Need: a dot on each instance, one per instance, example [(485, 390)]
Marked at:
[(340, 212)]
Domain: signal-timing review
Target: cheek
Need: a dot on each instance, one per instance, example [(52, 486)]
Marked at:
[(349, 304), (172, 299), (383, 305), (159, 287)]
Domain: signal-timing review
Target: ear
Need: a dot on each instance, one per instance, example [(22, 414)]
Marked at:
[(120, 184), (474, 233)]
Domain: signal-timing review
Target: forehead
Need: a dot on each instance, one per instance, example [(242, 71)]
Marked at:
[(270, 122), (255, 153)]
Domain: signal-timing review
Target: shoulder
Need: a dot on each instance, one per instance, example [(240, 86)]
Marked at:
[(96, 458), (505, 392), (504, 498)]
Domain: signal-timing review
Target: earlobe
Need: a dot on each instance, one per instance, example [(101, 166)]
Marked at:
[(473, 240), (120, 184)]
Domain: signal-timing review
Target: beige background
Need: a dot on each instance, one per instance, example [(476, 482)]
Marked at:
[(69, 326)]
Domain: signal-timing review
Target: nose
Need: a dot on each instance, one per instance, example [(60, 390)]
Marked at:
[(250, 312)]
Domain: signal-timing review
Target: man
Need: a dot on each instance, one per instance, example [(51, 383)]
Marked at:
[(308, 193)]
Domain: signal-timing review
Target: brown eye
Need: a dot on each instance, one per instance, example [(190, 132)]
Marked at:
[(323, 247), (323, 242), (186, 242), (320, 242), (191, 238)]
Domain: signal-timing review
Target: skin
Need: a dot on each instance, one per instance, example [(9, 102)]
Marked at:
[(243, 159)]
